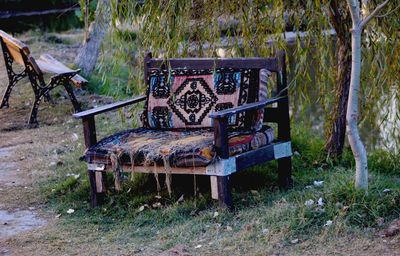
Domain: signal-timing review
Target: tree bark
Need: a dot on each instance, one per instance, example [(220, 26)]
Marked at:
[(336, 132), (89, 51), (357, 146)]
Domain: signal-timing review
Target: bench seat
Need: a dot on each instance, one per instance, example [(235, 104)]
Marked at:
[(48, 64), (190, 148)]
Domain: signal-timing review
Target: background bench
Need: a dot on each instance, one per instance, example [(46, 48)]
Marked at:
[(15, 51)]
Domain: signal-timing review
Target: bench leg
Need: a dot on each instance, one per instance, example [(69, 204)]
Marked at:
[(285, 172), (221, 190), (97, 188), (6, 96), (72, 97), (33, 122)]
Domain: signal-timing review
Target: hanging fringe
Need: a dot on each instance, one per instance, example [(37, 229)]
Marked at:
[(116, 171), (132, 155), (157, 180), (168, 175)]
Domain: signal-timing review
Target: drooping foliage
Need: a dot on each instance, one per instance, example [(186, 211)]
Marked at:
[(248, 28)]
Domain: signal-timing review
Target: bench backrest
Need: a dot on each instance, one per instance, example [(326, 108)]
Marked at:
[(181, 93), (16, 48), (18, 51)]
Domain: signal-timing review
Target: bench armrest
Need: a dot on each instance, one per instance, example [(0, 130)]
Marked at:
[(220, 123), (108, 107), (245, 107)]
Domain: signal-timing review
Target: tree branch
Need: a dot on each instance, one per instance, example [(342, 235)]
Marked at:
[(369, 17), (354, 10)]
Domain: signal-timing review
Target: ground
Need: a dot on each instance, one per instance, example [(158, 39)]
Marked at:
[(30, 224)]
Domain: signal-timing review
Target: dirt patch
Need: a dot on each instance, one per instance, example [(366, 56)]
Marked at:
[(13, 223)]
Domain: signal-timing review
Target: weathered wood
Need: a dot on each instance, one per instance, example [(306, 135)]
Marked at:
[(108, 107), (95, 198), (254, 157), (214, 187), (100, 186), (245, 107), (210, 63), (14, 51), (48, 64), (221, 137), (222, 150), (161, 169), (89, 131), (224, 192), (284, 164), (278, 113), (13, 42)]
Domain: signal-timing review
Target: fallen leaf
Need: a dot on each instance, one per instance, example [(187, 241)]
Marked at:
[(198, 246), (215, 215), (321, 201), (309, 202), (318, 183), (265, 231), (328, 223), (141, 208)]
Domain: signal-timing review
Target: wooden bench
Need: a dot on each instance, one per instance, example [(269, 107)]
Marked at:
[(237, 138), (15, 51)]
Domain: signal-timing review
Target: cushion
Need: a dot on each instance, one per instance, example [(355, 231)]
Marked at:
[(182, 99), (190, 148)]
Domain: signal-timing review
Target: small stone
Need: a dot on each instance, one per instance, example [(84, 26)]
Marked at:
[(294, 241), (265, 231), (215, 215), (70, 211), (228, 228), (198, 246)]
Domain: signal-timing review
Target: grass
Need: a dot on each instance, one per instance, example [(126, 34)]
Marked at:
[(264, 214)]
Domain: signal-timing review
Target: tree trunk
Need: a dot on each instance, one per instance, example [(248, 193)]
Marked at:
[(89, 51), (337, 130), (358, 148), (359, 152), (340, 19)]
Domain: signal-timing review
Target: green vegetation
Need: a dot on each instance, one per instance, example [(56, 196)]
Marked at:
[(264, 212)]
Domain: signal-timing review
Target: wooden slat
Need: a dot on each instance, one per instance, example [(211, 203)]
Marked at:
[(48, 64), (214, 187), (89, 131), (211, 63), (161, 169), (255, 157), (108, 107), (13, 42), (100, 188)]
